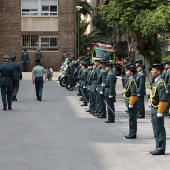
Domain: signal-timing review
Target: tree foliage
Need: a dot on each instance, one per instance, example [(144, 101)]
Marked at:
[(147, 20), (86, 40)]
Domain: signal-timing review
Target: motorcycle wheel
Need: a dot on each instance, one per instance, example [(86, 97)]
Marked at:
[(63, 81)]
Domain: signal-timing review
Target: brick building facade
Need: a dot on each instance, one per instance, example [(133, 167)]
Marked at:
[(50, 28)]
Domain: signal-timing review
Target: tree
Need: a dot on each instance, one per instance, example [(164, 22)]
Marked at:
[(86, 40), (133, 15)]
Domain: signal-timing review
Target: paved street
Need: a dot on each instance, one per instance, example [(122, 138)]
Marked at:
[(57, 134)]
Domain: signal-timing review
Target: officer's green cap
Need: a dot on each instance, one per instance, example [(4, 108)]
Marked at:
[(132, 69), (157, 66), (109, 64), (97, 60), (142, 66), (127, 59), (139, 61), (102, 62), (6, 57)]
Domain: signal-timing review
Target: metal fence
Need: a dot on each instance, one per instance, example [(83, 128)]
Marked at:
[(43, 43)]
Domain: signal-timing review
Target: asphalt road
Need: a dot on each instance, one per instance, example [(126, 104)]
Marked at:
[(57, 134)]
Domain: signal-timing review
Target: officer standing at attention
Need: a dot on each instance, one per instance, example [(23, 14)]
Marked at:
[(140, 81), (38, 56), (110, 92), (130, 94), (6, 71), (100, 89), (124, 78), (25, 59), (158, 103), (167, 81), (17, 76), (105, 57), (38, 73), (83, 83)]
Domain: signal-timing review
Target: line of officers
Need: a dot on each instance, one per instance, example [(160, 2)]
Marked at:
[(97, 85)]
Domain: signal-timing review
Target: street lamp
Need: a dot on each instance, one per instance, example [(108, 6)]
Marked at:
[(78, 29)]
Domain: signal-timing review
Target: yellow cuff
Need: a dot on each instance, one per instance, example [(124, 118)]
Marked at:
[(132, 100), (162, 106)]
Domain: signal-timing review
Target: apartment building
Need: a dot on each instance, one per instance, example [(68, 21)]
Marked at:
[(45, 25)]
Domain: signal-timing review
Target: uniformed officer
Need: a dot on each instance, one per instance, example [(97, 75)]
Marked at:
[(63, 58), (124, 78), (130, 94), (6, 71), (96, 71), (79, 76), (38, 56), (83, 84), (166, 77), (70, 72), (25, 59), (17, 76), (100, 89), (140, 81), (90, 88), (110, 92), (165, 70), (158, 103), (38, 73), (105, 57)]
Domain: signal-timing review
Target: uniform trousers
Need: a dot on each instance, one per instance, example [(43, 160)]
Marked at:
[(158, 130), (39, 86), (6, 94)]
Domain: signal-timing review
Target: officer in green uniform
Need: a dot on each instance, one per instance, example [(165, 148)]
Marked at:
[(165, 70), (124, 78), (95, 75), (63, 58), (110, 92), (83, 84), (130, 94), (70, 72), (38, 73), (105, 57), (17, 76), (6, 72), (38, 56), (89, 88), (25, 59), (79, 76), (158, 103), (140, 81), (167, 81), (100, 89)]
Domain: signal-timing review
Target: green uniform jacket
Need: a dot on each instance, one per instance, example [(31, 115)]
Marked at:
[(167, 80), (164, 74), (6, 71), (130, 88), (158, 92), (17, 74), (83, 81), (101, 80), (140, 81), (110, 84), (70, 69), (38, 56), (24, 57)]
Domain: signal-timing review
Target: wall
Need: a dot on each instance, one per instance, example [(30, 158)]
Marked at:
[(10, 32)]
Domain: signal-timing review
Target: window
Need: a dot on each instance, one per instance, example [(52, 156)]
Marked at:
[(44, 43), (39, 7)]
